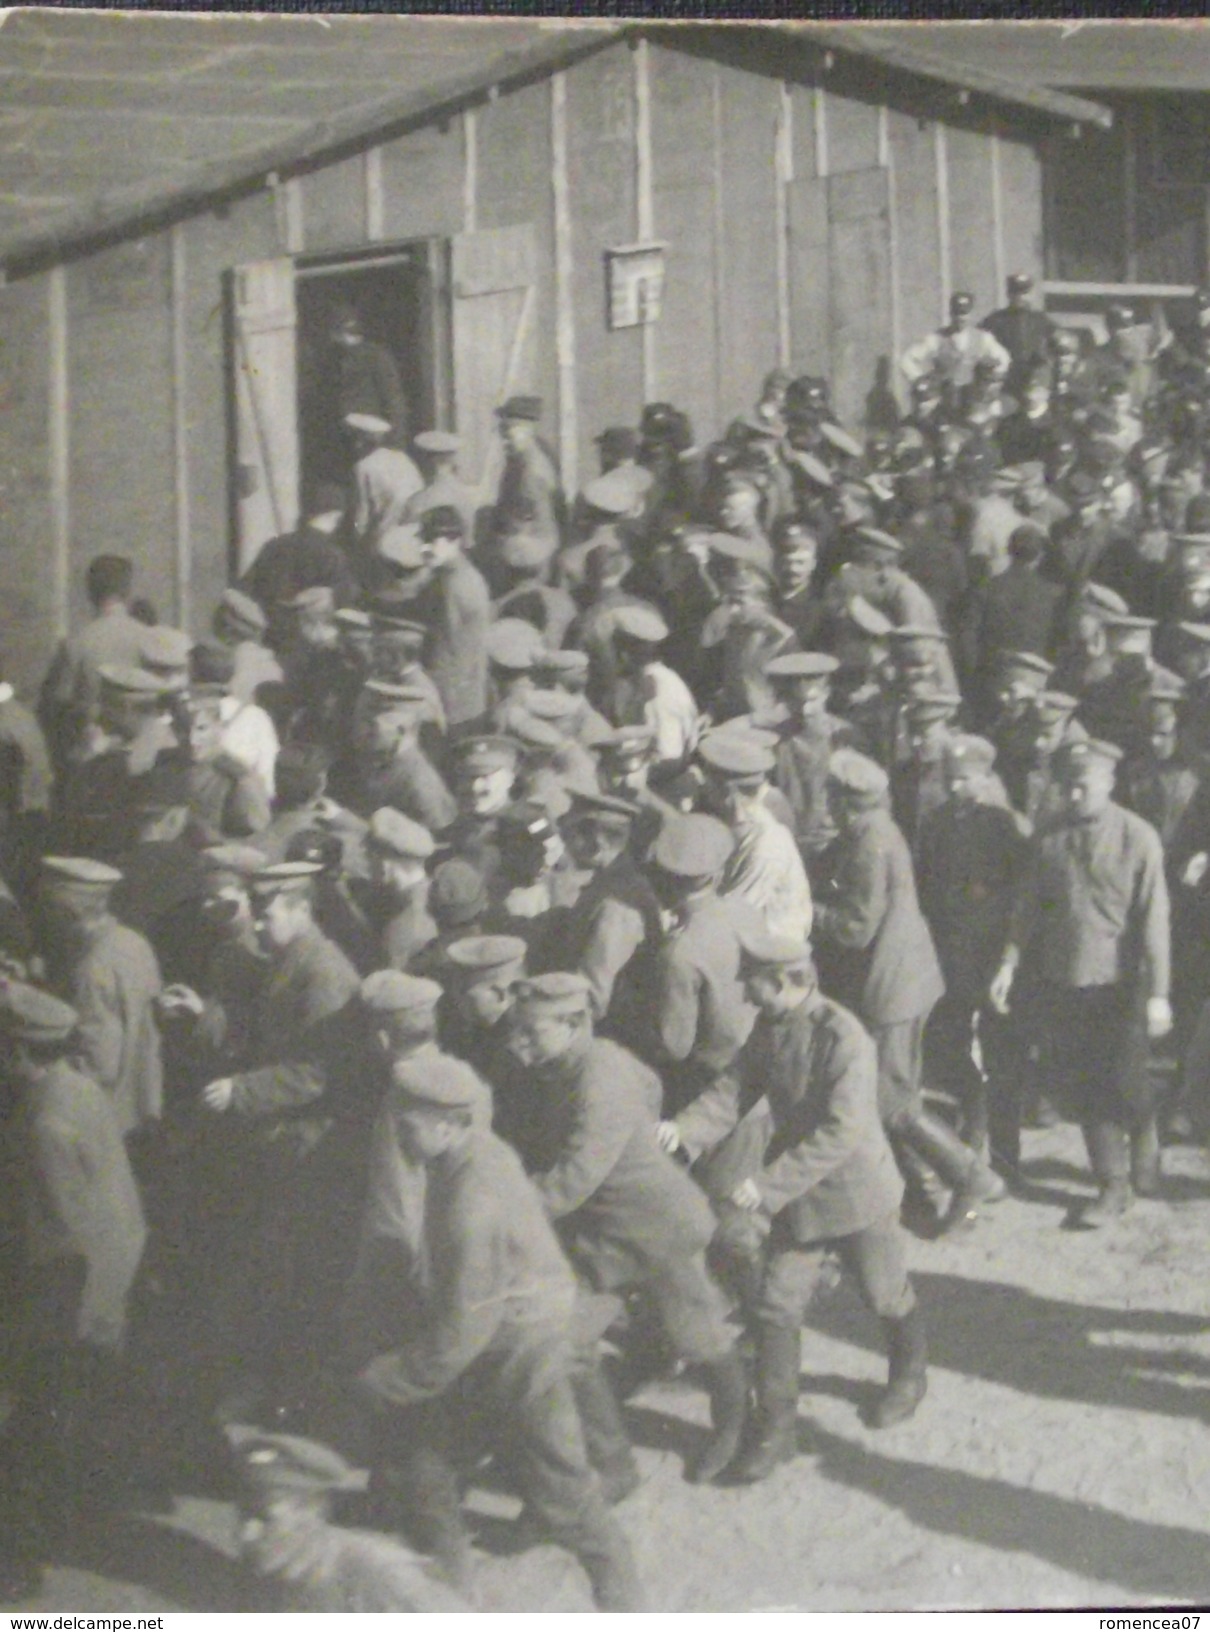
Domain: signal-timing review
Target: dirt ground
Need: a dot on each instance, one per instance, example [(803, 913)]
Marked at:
[(1062, 1456)]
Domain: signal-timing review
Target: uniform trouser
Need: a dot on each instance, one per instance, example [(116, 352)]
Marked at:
[(1094, 1044), (519, 1403), (690, 1309), (876, 1257), (900, 1048), (990, 1098)]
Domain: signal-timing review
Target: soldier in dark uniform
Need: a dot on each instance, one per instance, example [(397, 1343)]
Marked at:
[(479, 974), (278, 1095), (1092, 921), (484, 772), (389, 765), (584, 1124), (918, 783), (806, 739), (491, 1344), (798, 1116), (1021, 329), (395, 896), (616, 911), (877, 956), (969, 863)]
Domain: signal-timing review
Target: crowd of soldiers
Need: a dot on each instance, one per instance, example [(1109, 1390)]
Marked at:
[(527, 944)]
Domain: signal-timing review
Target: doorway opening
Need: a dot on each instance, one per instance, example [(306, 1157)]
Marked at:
[(396, 297)]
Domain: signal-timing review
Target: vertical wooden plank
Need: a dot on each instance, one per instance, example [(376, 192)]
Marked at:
[(470, 164), (810, 276), (783, 164), (819, 109), (941, 163), (1130, 186), (372, 170), (180, 427), (119, 376), (682, 141), (858, 221), (59, 444), (513, 189), (917, 245), (802, 130), (997, 215), (33, 477), (749, 327), (422, 184), (852, 140), (601, 142), (565, 329), (718, 237), (334, 200), (972, 227), (245, 232), (644, 201), (291, 233), (886, 159), (1021, 207)]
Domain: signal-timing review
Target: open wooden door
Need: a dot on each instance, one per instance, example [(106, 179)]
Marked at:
[(859, 250), (264, 374), (809, 269), (493, 286)]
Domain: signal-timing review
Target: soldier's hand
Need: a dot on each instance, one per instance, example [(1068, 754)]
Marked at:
[(1159, 1017), (217, 1095), (1001, 986), (180, 999), (669, 1136), (746, 1197), (1195, 870)]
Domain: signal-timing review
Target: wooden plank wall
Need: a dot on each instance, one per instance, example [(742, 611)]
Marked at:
[(28, 588), (1021, 207)]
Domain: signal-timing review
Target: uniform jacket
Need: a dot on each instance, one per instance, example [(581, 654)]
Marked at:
[(827, 1168), (529, 494), (113, 987), (409, 782), (1017, 612), (968, 869), (766, 870), (288, 1072), (26, 761), (500, 1290), (1092, 909), (457, 611), (73, 683), (81, 1200), (367, 382), (624, 1209), (613, 916), (802, 776), (1023, 332), (1163, 793), (385, 480), (874, 942)]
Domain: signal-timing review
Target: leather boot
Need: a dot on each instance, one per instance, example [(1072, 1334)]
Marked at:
[(430, 1503), (605, 1436), (1108, 1150), (907, 1379), (1145, 1174), (774, 1437), (728, 1415), (971, 1180)]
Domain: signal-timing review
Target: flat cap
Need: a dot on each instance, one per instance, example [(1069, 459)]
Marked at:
[(79, 873), (1050, 706), (692, 846), (438, 442), (1165, 688), (514, 644), (761, 950), (549, 703), (1024, 666), (488, 753), (813, 468), (628, 742), (872, 622), (438, 1081), (736, 754), (521, 407), (933, 704), (352, 617), (482, 955), (238, 860), (569, 660), (399, 835), (837, 437), (1132, 621), (907, 633), (400, 547), (390, 991), (1197, 634), (562, 992), (130, 681), (1019, 283), (287, 1462), (1077, 751), (387, 620), (526, 820), (526, 546), (966, 752), (1191, 541), (875, 538), (162, 648), (533, 733), (32, 1015), (386, 694), (243, 611), (457, 892), (640, 623), (1100, 598), (620, 491), (586, 804), (746, 552), (857, 774), (280, 877), (801, 666), (369, 424), (318, 598)]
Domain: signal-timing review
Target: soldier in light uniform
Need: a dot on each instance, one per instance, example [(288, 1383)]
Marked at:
[(1092, 921), (796, 1120)]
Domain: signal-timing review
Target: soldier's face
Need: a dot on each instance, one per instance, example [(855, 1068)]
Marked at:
[(424, 1134), (517, 434), (595, 845), (539, 1038), (964, 784), (395, 874), (1087, 787), (796, 563), (738, 507), (278, 920), (205, 735), (1163, 738), (227, 908), (485, 792), (486, 1003)]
